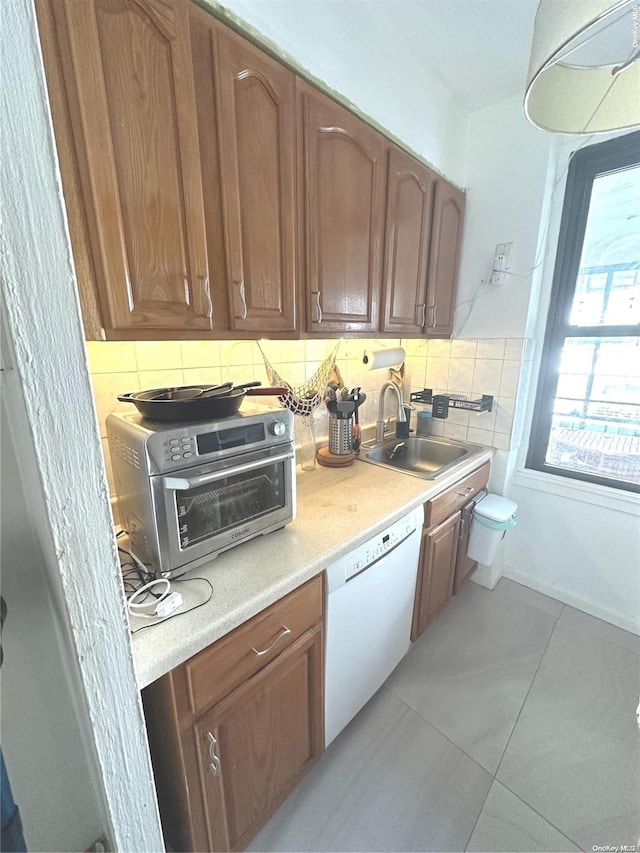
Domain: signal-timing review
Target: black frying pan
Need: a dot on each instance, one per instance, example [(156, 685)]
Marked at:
[(165, 404)]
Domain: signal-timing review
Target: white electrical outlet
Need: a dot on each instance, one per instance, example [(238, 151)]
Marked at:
[(501, 263)]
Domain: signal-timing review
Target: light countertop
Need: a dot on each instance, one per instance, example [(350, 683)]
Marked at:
[(338, 509)]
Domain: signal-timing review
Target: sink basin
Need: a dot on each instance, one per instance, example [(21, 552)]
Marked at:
[(429, 457)]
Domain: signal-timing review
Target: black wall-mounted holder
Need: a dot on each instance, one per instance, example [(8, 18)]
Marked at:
[(442, 402)]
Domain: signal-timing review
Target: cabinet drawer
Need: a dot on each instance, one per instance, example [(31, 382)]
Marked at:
[(216, 671), (455, 497)]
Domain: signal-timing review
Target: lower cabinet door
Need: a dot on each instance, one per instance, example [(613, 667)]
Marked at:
[(435, 572), (255, 745), (464, 564)]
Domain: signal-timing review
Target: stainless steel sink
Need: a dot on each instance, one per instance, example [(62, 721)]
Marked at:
[(429, 457)]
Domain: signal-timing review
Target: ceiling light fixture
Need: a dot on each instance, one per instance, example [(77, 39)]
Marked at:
[(584, 73)]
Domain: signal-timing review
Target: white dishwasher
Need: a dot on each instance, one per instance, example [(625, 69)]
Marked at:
[(369, 608)]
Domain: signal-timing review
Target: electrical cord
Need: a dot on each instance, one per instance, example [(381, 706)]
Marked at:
[(183, 612), (138, 607), (471, 302), (138, 579)]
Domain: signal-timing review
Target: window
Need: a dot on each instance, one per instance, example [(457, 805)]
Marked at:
[(587, 415)]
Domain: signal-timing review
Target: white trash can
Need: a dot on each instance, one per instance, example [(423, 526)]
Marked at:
[(492, 517)]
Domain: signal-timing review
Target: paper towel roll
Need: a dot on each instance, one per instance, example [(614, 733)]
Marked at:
[(377, 358)]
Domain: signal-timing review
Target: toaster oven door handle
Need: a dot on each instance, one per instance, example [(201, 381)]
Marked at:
[(183, 484)]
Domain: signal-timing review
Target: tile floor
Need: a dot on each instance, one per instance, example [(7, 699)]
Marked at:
[(510, 726)]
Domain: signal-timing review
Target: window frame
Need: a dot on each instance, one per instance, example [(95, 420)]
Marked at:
[(586, 165)]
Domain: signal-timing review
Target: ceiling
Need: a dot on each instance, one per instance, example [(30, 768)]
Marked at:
[(479, 49)]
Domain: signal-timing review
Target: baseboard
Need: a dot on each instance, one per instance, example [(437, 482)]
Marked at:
[(627, 623)]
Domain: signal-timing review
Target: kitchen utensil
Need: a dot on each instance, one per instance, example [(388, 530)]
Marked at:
[(187, 393), (225, 388), (155, 406), (358, 399), (345, 408), (341, 435), (191, 409)]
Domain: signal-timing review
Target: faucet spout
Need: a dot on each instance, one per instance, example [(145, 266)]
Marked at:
[(401, 417)]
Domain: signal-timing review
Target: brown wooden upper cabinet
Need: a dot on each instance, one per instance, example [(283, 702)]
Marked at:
[(342, 208), (212, 193), (410, 193), (125, 69), (257, 159), (446, 237)]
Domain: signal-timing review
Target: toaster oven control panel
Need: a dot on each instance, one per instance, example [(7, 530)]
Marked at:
[(170, 447), (176, 449), (227, 439)]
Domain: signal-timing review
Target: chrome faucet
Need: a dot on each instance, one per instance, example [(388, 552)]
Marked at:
[(401, 415)]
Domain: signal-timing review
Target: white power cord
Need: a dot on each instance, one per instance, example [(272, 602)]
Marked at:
[(160, 607)]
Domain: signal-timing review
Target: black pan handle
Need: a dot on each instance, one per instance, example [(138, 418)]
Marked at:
[(126, 398)]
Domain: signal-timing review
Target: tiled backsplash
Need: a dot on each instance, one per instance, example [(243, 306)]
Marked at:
[(472, 368), (467, 367)]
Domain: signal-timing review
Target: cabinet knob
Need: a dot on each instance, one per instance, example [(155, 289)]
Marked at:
[(214, 765)]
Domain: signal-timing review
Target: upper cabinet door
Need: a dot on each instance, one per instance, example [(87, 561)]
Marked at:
[(446, 237), (410, 193), (257, 149), (126, 67), (343, 209)]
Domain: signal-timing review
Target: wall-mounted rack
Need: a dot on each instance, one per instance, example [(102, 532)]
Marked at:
[(442, 402)]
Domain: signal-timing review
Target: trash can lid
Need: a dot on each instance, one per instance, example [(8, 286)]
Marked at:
[(496, 508)]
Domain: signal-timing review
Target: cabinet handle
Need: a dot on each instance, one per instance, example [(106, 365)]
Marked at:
[(461, 530), (206, 286), (424, 315), (434, 319), (240, 286), (316, 293), (283, 633), (214, 765), (466, 492)]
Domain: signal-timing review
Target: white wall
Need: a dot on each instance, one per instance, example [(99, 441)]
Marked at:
[(584, 553), (350, 48), (577, 542), (42, 733), (59, 451), (507, 181)]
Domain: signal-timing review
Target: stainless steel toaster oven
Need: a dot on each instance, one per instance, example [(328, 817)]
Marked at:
[(188, 491)]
